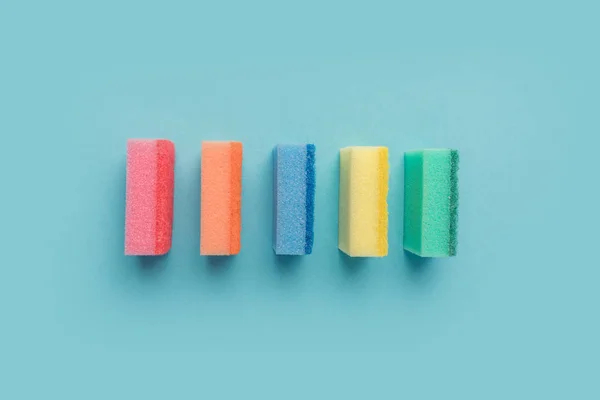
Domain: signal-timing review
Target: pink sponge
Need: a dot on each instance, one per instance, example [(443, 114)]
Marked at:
[(149, 208)]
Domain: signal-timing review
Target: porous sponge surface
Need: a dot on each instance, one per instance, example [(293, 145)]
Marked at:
[(220, 206), (140, 221), (290, 199), (431, 202), (363, 214), (236, 198), (165, 184), (454, 161), (383, 171), (310, 197), (149, 196)]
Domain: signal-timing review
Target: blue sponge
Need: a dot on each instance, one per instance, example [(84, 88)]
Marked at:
[(294, 191)]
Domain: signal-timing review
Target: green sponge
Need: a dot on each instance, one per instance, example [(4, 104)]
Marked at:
[(431, 202)]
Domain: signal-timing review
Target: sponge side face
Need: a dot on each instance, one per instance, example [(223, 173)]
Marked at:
[(310, 197), (383, 172), (216, 208), (454, 161), (345, 211), (165, 184), (363, 215), (149, 196), (413, 201), (431, 202), (236, 198), (290, 199)]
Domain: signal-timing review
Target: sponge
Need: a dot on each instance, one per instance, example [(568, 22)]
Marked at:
[(363, 213), (221, 198), (149, 196), (431, 202), (294, 199)]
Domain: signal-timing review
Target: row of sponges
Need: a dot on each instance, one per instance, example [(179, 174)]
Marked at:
[(430, 205), (430, 202)]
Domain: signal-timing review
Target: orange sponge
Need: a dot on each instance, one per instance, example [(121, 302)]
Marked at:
[(221, 198)]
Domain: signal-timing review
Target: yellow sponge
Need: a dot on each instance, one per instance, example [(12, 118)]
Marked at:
[(363, 213)]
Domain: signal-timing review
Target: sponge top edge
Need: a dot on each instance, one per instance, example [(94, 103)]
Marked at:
[(145, 140), (432, 150), (220, 141), (363, 147), (288, 145)]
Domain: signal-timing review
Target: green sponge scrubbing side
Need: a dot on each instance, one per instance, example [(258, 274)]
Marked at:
[(431, 202)]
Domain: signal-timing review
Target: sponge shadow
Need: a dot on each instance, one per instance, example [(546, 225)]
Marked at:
[(116, 233), (151, 266), (287, 266), (352, 267), (197, 200), (419, 268), (219, 266)]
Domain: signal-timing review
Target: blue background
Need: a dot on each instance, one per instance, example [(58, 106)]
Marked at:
[(513, 85)]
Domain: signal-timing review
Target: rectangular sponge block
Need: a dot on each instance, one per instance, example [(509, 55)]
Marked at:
[(294, 199), (431, 202), (149, 197), (221, 198), (363, 213)]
